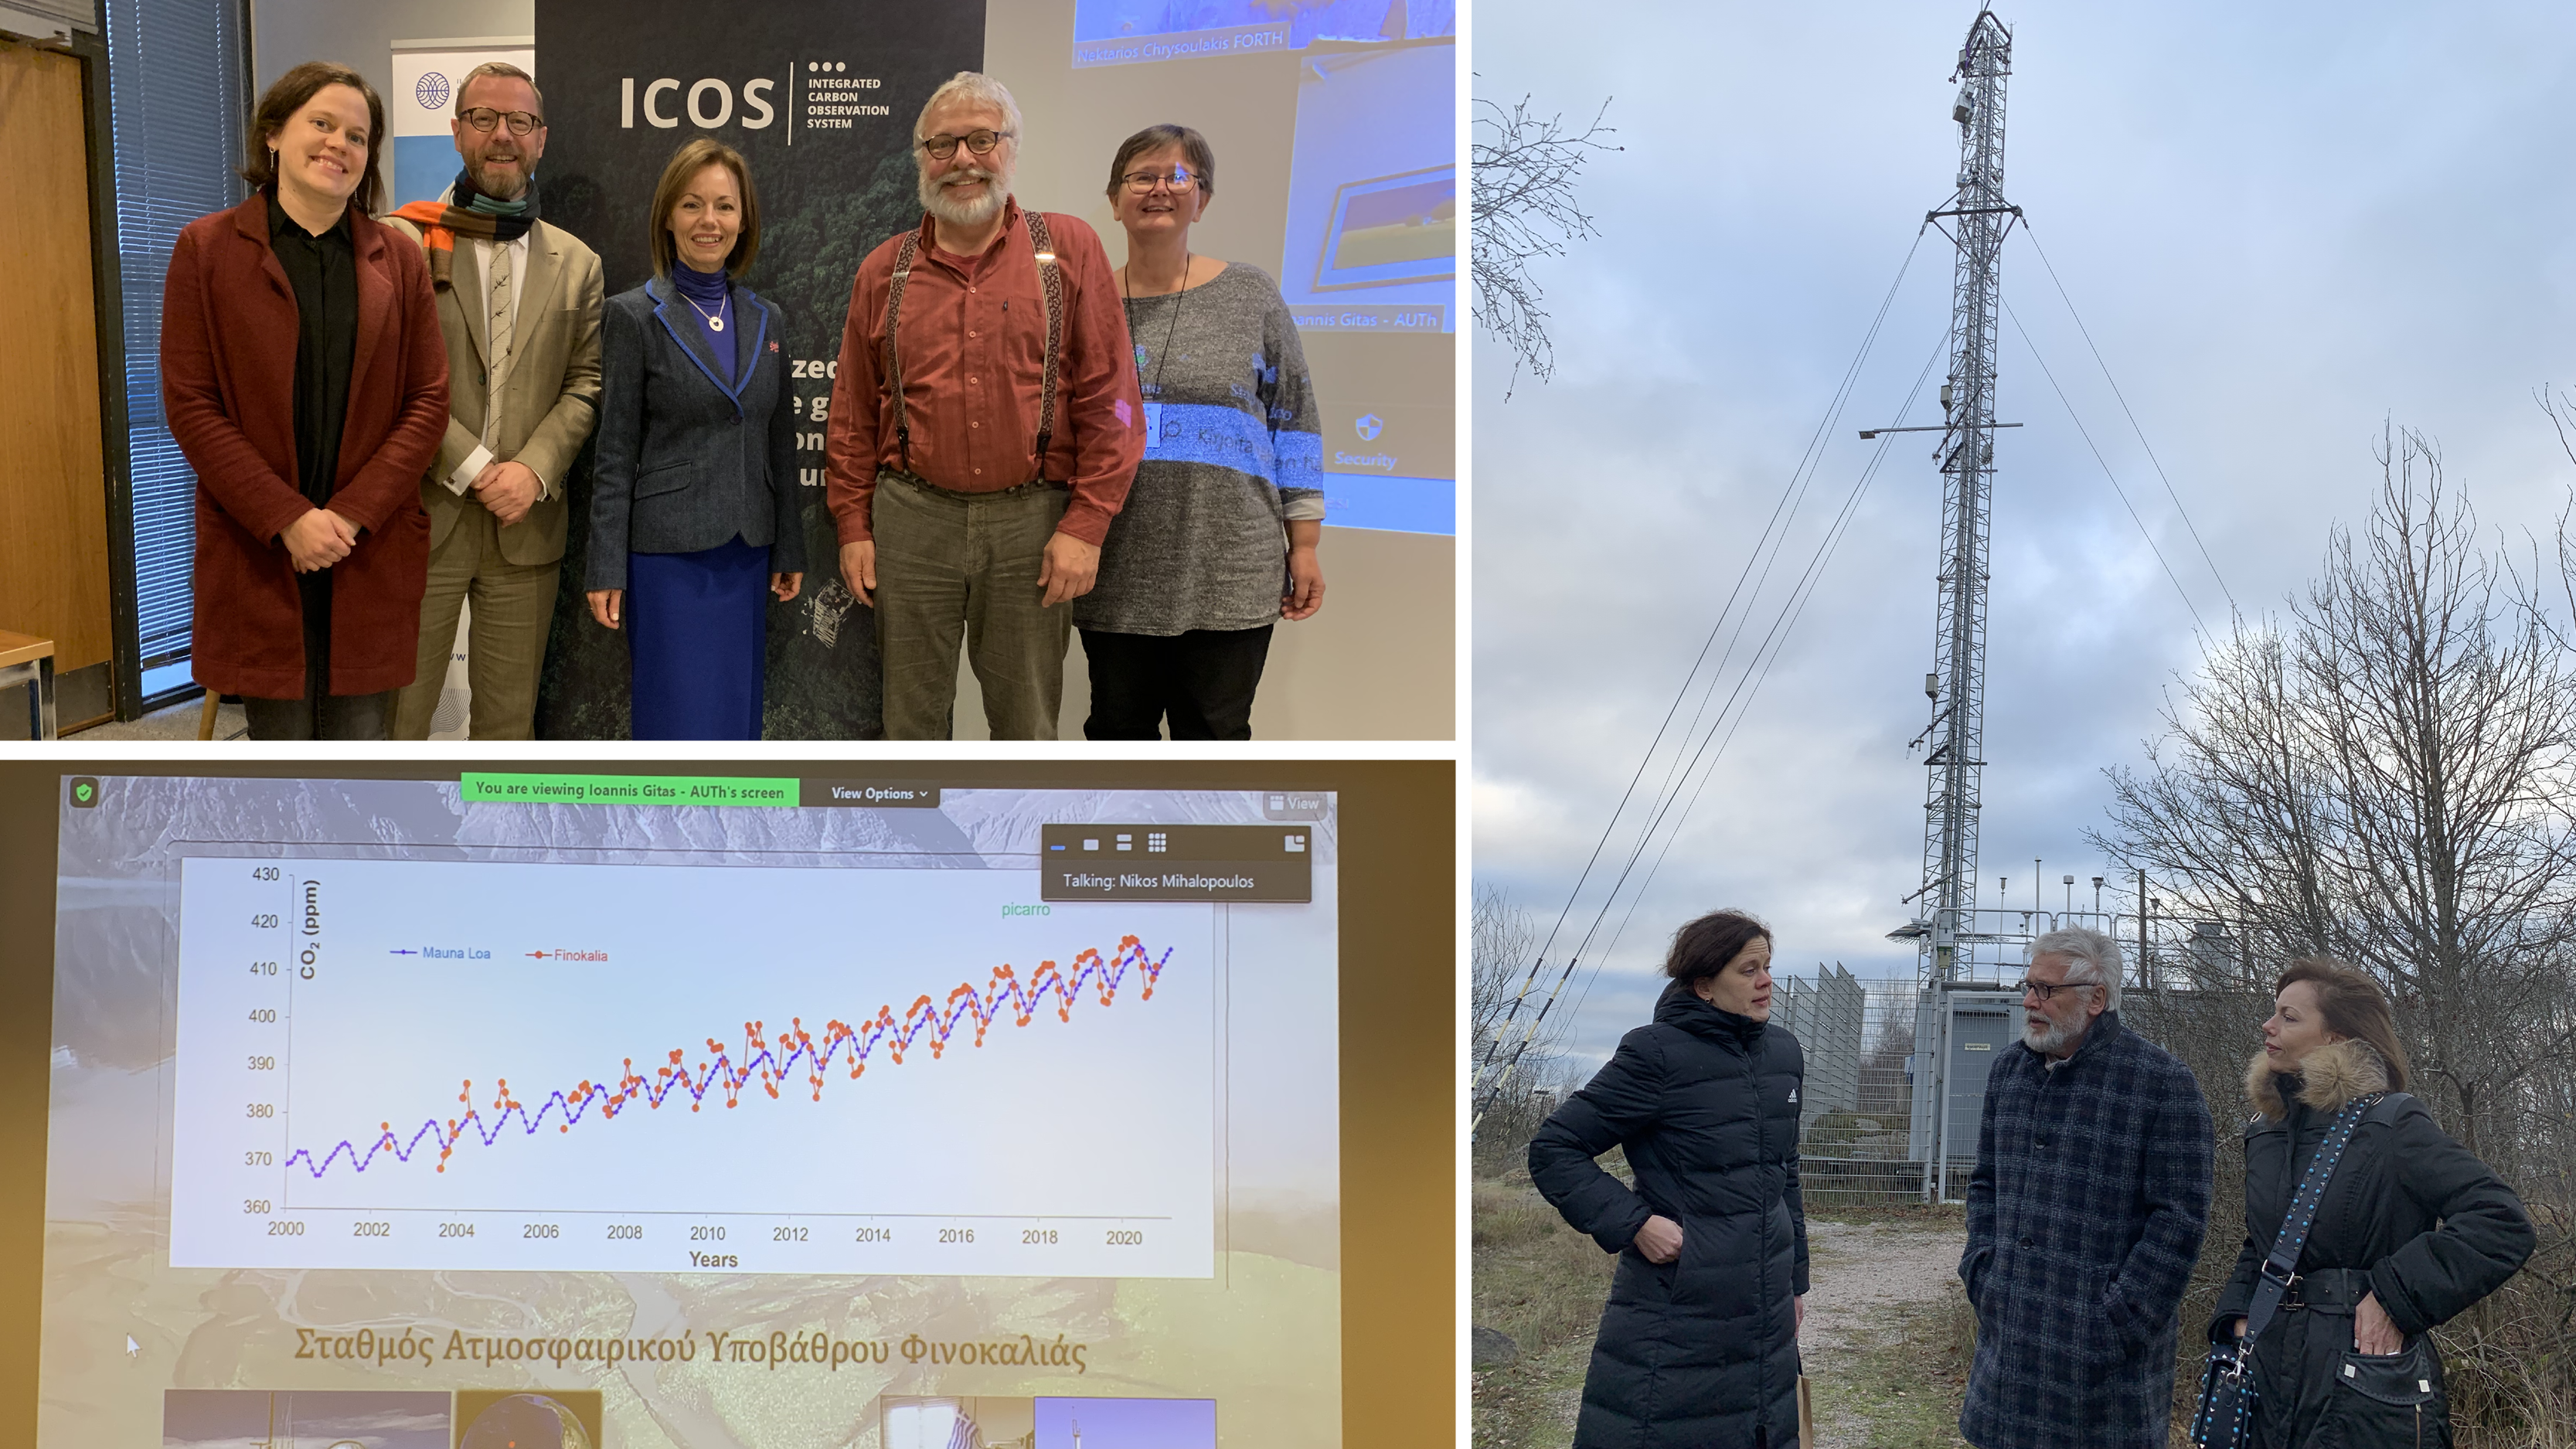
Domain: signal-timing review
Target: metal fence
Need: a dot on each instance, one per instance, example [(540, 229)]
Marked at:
[(1854, 1123), (1865, 1140)]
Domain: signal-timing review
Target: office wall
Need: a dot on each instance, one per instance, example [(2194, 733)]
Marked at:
[(286, 33)]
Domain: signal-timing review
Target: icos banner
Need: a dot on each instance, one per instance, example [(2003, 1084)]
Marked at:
[(819, 97)]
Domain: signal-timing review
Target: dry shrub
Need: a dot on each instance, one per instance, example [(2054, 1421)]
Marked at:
[(2511, 1360), (1503, 1133), (1535, 1279)]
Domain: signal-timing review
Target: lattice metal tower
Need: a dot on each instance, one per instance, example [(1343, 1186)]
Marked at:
[(1977, 218)]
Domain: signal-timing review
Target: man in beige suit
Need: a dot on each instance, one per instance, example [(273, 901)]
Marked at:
[(519, 303)]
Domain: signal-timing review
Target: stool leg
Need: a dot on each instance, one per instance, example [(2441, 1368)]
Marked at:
[(206, 717)]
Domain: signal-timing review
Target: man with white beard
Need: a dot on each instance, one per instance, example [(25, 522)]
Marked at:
[(986, 422), (2085, 1215)]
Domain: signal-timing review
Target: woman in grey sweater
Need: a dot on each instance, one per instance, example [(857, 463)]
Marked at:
[(1217, 541)]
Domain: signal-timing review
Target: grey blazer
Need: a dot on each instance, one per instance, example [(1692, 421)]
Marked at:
[(550, 400), (688, 455)]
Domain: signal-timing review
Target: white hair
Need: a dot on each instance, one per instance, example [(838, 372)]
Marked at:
[(2090, 956), (972, 86)]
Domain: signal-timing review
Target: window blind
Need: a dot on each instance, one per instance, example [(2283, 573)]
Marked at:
[(177, 102)]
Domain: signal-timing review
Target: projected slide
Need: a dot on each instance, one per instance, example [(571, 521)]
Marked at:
[(691, 1112), (452, 1065), (1373, 196), (1131, 32), (1392, 229)]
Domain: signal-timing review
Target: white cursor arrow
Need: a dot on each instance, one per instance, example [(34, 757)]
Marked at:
[(132, 1349)]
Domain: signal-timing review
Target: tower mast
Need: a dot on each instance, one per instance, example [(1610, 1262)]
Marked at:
[(1977, 218)]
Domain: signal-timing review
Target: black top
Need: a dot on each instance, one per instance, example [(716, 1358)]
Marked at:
[(323, 270)]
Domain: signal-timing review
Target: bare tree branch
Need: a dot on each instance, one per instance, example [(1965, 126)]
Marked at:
[(1523, 188), (1502, 940), (2388, 775)]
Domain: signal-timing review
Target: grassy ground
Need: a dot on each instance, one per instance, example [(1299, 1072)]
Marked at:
[(1900, 1384), (1894, 1383), (1543, 1284)]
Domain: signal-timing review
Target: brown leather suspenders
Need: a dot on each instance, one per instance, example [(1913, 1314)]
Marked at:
[(903, 255), (1050, 278)]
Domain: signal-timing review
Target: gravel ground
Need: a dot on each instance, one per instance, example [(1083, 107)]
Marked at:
[(1856, 1271)]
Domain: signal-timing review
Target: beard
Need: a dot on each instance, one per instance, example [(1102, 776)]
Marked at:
[(2047, 1040), (501, 185), (955, 211)]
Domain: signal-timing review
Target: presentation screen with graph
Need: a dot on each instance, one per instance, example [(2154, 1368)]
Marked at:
[(704, 1110)]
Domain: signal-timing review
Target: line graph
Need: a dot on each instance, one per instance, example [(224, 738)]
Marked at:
[(760, 1059), (484, 1065)]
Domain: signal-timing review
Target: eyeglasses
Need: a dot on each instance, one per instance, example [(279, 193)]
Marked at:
[(2047, 989), (1140, 183), (981, 141), (484, 118)]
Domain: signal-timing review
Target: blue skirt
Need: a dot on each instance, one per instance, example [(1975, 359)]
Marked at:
[(697, 631)]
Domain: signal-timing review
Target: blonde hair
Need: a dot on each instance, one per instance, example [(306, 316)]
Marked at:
[(2354, 1005), (507, 71)]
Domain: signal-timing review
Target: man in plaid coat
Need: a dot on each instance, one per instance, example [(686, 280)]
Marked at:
[(2085, 1216)]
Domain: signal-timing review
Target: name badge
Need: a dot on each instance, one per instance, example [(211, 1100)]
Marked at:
[(1153, 427)]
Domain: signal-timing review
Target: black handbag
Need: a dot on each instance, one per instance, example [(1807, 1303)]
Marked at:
[(2224, 1418)]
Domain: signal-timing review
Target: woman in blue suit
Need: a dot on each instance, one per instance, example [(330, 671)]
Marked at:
[(693, 505)]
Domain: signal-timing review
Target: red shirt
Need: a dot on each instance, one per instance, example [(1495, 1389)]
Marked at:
[(973, 353)]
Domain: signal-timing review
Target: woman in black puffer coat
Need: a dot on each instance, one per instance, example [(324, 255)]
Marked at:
[(2411, 1231), (1698, 1347)]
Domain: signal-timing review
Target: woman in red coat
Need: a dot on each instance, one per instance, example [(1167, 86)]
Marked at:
[(306, 382)]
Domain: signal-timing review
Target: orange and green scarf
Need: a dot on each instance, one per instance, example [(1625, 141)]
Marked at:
[(468, 212)]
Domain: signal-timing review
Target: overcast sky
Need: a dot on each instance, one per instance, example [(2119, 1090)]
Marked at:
[(2286, 227)]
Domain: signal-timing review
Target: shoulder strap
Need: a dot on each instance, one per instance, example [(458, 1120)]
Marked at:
[(903, 255), (1051, 279), (2280, 1269)]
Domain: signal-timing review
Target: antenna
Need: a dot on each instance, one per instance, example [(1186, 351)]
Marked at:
[(1977, 218)]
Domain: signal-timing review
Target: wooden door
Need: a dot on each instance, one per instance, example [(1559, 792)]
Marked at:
[(53, 479)]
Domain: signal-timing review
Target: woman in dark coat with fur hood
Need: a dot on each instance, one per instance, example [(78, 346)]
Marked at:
[(2411, 1230), (1699, 1343)]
